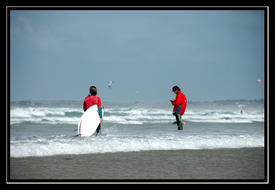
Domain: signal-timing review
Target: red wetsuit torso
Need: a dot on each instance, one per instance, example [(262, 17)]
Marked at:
[(90, 101), (180, 103)]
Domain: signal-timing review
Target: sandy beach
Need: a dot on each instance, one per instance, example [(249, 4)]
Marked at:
[(232, 164)]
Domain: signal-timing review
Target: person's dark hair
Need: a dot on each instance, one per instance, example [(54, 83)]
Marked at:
[(175, 88), (93, 90)]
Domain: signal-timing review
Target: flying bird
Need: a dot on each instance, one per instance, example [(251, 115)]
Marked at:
[(110, 83)]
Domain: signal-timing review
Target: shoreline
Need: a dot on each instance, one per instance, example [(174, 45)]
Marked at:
[(199, 164)]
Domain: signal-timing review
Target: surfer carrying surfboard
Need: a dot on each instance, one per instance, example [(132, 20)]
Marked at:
[(91, 100), (179, 106)]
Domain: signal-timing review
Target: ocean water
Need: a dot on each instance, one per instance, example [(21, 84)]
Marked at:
[(47, 128)]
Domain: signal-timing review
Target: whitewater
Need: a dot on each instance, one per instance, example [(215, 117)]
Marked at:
[(46, 128)]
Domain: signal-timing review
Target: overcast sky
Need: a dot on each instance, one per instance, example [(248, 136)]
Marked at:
[(210, 55)]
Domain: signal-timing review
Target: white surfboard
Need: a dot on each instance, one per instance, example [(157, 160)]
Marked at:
[(89, 122)]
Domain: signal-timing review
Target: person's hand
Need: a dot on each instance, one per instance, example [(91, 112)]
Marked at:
[(100, 120), (173, 100)]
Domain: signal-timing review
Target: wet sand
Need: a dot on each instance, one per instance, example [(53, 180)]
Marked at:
[(232, 164)]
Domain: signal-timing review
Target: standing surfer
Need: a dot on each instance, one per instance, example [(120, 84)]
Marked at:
[(93, 99), (179, 106)]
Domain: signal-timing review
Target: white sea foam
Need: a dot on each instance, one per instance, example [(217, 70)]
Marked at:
[(58, 145), (35, 129), (43, 115)]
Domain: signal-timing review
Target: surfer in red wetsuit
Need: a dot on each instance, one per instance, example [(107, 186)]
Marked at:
[(93, 99), (179, 106)]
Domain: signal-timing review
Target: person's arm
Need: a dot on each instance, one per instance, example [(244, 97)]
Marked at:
[(177, 102), (100, 112), (99, 109)]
